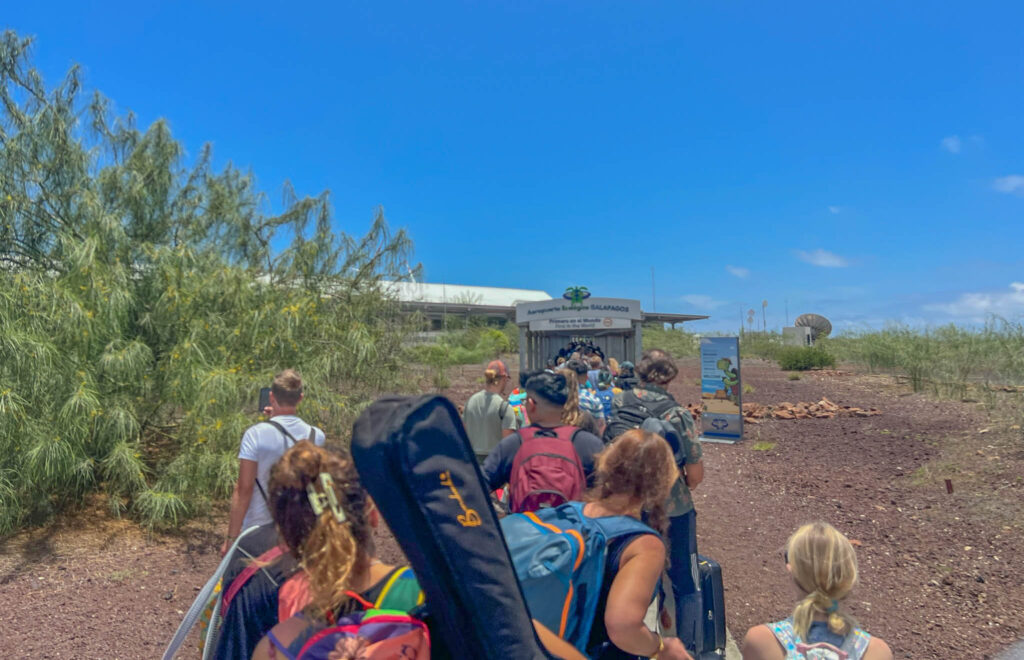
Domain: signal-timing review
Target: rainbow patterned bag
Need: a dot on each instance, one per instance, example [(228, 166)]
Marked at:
[(370, 635)]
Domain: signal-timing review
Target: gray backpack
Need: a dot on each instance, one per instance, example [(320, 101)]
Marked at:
[(637, 414)]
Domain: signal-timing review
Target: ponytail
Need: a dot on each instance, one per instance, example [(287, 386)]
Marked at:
[(803, 615), (329, 541), (824, 565), (328, 557), (571, 413)]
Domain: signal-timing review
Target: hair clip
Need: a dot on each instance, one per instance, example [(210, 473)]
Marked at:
[(321, 501)]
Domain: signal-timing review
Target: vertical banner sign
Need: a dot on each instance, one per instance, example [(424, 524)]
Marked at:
[(721, 389)]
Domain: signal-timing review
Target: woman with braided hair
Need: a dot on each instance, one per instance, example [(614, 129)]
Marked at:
[(326, 519), (823, 565)]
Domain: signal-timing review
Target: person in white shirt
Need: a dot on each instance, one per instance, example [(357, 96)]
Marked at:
[(262, 445)]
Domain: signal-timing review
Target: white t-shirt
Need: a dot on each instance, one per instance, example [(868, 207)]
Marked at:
[(264, 444)]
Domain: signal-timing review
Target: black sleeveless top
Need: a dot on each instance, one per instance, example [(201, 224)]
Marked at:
[(599, 646)]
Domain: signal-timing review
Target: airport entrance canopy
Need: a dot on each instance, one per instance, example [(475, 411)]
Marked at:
[(615, 325)]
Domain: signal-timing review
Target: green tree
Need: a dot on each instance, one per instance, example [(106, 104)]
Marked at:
[(144, 300)]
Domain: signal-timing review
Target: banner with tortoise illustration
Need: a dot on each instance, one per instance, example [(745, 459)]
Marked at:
[(721, 389)]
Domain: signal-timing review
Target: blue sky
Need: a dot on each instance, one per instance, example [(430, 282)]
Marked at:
[(863, 160)]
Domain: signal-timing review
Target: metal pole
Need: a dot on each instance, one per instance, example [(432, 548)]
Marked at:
[(524, 348), (654, 300)]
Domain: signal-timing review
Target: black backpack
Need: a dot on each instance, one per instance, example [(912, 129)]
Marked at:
[(635, 413)]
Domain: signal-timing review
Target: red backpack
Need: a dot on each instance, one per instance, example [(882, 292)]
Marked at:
[(546, 471)]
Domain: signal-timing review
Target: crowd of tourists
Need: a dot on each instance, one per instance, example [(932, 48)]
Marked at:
[(588, 443)]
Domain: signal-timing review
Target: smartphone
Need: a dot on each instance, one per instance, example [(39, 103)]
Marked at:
[(264, 400)]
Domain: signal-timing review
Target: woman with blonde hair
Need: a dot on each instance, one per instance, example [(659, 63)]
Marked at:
[(572, 415), (634, 476), (823, 565)]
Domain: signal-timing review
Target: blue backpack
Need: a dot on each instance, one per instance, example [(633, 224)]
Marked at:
[(559, 557)]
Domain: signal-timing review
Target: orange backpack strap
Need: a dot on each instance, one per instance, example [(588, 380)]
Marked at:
[(359, 599)]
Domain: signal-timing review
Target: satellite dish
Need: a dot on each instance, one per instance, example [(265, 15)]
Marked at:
[(819, 325)]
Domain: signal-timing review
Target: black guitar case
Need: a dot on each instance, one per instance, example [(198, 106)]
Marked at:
[(414, 458)]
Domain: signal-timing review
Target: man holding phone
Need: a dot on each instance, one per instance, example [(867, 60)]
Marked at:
[(262, 445)]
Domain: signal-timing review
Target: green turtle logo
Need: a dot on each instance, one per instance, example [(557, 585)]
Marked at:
[(576, 295)]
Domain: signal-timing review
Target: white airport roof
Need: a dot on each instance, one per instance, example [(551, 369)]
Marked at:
[(422, 292)]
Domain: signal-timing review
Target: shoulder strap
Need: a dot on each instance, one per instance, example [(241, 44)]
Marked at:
[(567, 432), (401, 592), (254, 566), (615, 526), (856, 644), (618, 526), (502, 411), (367, 605), (784, 633), (661, 408), (283, 430), (263, 493), (562, 432), (287, 436), (631, 399), (275, 642), (395, 595), (527, 433)]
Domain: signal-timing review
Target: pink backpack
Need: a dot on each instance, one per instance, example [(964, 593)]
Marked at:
[(546, 471)]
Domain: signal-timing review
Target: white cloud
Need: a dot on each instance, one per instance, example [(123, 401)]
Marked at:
[(951, 144), (834, 210), (822, 258), (976, 306), (701, 301), (1011, 184), (738, 271)]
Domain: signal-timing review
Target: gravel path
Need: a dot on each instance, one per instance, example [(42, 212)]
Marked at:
[(940, 573)]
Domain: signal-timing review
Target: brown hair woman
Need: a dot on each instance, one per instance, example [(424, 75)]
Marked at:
[(634, 475), (326, 519)]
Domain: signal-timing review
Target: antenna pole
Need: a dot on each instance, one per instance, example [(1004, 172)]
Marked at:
[(654, 300)]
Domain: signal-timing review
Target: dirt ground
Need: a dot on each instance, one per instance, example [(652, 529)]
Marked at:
[(941, 574)]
